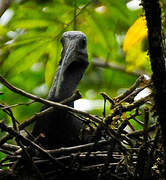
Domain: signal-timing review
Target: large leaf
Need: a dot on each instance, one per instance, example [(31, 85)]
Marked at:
[(133, 44), (22, 58), (136, 33), (51, 66)]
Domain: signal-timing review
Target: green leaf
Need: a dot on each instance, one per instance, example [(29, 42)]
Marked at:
[(22, 58), (3, 30), (31, 23), (51, 66)]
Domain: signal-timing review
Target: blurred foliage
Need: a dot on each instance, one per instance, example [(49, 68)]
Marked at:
[(30, 46)]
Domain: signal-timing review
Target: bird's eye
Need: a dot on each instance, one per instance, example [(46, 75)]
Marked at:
[(82, 43)]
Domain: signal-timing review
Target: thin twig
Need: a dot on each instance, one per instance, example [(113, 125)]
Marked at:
[(10, 147), (119, 67), (29, 159), (19, 104), (140, 80), (105, 96), (25, 140), (45, 101), (146, 121)]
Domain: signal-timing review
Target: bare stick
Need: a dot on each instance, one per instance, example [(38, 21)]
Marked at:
[(10, 113), (105, 96), (4, 5), (79, 148), (19, 104), (10, 147), (129, 91), (45, 101), (25, 140), (119, 67)]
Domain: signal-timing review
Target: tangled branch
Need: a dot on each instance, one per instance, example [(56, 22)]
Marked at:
[(111, 146)]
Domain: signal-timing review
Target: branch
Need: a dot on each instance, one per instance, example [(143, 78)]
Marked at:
[(49, 110), (4, 5), (119, 110), (79, 148), (32, 119), (156, 52), (25, 140), (138, 82), (47, 102), (119, 67), (10, 147)]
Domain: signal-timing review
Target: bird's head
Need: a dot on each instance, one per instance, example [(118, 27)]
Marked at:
[(74, 61)]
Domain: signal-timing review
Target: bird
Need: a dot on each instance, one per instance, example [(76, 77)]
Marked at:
[(59, 128)]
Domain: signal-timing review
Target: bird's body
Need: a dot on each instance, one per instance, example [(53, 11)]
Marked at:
[(60, 128)]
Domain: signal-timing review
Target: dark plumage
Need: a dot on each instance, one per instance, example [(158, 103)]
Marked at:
[(60, 128)]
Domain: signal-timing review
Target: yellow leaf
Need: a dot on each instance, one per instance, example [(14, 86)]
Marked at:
[(136, 57), (136, 33), (133, 44)]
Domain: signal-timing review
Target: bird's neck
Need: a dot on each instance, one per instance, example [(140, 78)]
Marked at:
[(68, 84)]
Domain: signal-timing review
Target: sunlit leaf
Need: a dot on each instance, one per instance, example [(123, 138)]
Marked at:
[(23, 57), (133, 44), (3, 30), (51, 66), (136, 33), (33, 23), (30, 59), (136, 57)]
